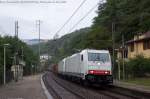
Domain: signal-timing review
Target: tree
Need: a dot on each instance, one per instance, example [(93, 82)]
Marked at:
[(16, 44)]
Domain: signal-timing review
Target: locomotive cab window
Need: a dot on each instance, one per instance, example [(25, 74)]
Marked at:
[(103, 57)]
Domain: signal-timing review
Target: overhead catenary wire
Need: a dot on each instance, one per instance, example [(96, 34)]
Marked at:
[(83, 17), (71, 16)]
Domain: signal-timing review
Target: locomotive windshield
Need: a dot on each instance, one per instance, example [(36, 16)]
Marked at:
[(103, 57)]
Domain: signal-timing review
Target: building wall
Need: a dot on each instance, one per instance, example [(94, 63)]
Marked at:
[(138, 50)]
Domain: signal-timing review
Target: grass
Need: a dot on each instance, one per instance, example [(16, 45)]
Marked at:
[(139, 81)]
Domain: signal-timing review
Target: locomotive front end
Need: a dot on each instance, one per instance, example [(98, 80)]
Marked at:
[(99, 69)]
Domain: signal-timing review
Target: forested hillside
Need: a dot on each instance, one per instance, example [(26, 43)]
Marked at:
[(123, 17)]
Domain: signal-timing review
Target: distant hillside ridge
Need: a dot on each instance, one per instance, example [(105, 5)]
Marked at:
[(34, 41)]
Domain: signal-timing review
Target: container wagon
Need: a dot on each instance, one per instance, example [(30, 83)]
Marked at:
[(61, 67), (92, 66)]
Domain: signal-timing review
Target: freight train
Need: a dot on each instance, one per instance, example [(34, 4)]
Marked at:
[(88, 66)]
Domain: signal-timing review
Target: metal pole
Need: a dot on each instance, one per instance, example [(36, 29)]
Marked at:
[(22, 64), (16, 55), (15, 68), (123, 57), (113, 45), (118, 69), (38, 23), (39, 43), (4, 65), (22, 53)]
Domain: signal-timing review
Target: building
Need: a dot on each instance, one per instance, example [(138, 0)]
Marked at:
[(140, 45), (122, 53), (44, 61), (18, 70), (44, 57)]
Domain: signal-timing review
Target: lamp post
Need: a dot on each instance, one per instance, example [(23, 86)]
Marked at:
[(5, 62)]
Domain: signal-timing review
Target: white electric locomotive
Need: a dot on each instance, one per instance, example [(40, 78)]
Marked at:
[(93, 66)]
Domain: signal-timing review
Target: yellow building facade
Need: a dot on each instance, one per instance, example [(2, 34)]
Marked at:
[(140, 45)]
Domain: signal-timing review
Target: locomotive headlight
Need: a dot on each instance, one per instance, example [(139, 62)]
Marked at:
[(91, 71), (106, 72)]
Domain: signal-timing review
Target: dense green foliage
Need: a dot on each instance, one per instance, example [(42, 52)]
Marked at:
[(129, 17), (15, 44), (138, 67)]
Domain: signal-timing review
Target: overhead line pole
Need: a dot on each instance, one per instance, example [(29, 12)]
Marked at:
[(4, 65), (39, 37), (123, 63), (113, 45), (16, 54), (39, 31)]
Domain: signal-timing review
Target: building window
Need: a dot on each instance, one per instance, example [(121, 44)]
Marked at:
[(132, 47), (146, 44)]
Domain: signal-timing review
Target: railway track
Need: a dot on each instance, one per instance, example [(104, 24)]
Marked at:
[(94, 92), (58, 91), (50, 88), (70, 90)]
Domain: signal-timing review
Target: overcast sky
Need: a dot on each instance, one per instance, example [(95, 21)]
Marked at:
[(52, 15)]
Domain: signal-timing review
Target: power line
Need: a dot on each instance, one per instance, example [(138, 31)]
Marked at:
[(71, 16), (83, 17)]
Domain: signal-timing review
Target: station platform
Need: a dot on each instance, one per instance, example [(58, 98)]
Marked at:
[(28, 88)]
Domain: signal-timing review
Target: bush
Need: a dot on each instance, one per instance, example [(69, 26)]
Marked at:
[(138, 67)]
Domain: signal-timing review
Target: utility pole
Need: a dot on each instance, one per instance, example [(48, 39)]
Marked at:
[(22, 61), (113, 45), (22, 52), (16, 29), (4, 64), (5, 45), (123, 48), (38, 22), (16, 54), (119, 69)]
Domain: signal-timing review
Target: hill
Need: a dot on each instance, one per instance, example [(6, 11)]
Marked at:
[(33, 41)]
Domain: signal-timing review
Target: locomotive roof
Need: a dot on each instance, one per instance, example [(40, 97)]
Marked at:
[(96, 51), (90, 50), (87, 50)]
